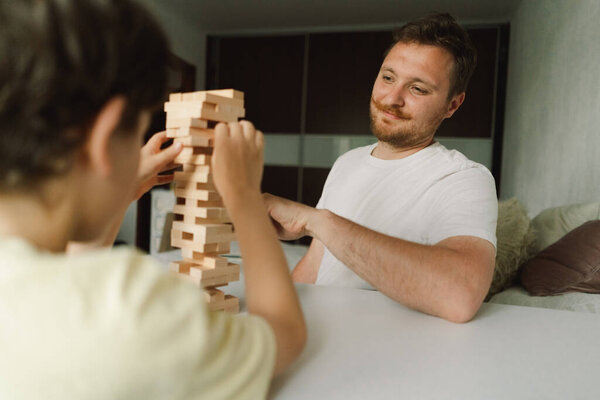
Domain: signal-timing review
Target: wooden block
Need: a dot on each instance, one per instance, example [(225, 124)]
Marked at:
[(197, 194), (199, 176), (201, 212), (211, 97), (188, 202), (190, 131), (206, 260), (197, 216), (210, 248), (214, 282), (203, 233), (222, 247), (211, 277), (234, 94), (202, 272), (228, 304), (201, 157), (177, 123), (195, 168), (191, 236), (175, 96), (207, 111), (195, 159), (192, 185), (213, 295)]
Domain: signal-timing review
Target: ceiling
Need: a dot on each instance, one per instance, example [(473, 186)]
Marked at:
[(219, 16)]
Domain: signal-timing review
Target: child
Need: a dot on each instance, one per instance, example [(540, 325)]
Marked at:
[(78, 81)]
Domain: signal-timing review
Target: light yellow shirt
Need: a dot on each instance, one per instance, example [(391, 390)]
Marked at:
[(111, 324)]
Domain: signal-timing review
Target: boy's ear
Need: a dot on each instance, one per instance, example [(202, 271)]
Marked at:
[(97, 147)]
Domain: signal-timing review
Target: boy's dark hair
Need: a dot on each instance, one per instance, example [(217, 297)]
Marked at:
[(443, 31), (60, 62)]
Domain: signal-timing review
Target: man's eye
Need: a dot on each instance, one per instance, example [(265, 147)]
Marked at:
[(386, 78), (419, 90)]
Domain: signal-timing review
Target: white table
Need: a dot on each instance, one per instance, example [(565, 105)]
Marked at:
[(362, 345)]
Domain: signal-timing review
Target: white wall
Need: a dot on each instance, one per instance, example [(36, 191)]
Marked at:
[(551, 153), (188, 40)]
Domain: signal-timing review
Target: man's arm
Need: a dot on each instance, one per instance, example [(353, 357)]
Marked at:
[(307, 269), (449, 279)]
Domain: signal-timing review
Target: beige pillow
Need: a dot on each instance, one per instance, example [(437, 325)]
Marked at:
[(552, 224), (514, 239)]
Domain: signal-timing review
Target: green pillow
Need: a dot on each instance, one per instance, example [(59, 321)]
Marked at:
[(514, 238)]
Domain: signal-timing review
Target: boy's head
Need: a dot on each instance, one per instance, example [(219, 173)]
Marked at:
[(61, 61)]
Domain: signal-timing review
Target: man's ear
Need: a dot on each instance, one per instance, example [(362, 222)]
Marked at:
[(454, 104), (97, 147)]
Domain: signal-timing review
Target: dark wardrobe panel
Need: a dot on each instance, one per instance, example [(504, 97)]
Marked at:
[(474, 117), (312, 184), (342, 68), (268, 70), (281, 181)]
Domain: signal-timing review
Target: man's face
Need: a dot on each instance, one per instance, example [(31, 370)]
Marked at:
[(410, 95)]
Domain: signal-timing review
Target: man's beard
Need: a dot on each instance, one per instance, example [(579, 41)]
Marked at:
[(400, 137)]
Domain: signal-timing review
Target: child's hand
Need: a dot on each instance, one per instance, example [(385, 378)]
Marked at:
[(154, 160), (237, 159)]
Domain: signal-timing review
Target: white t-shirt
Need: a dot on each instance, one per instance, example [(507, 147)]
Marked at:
[(111, 324), (424, 198)]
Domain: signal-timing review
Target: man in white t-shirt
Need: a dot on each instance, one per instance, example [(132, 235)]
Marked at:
[(406, 216)]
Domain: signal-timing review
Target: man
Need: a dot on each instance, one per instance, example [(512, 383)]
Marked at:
[(405, 215)]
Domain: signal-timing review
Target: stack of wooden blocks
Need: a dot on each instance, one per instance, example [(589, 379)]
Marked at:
[(201, 226)]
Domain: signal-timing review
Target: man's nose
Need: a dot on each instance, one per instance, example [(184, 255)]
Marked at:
[(395, 96)]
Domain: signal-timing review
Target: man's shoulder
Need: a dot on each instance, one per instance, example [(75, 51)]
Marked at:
[(355, 155), (451, 161)]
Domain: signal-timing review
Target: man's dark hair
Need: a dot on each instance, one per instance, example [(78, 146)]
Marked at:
[(443, 31), (60, 62)]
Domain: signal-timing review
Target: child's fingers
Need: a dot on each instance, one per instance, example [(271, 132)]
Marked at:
[(259, 140), (166, 156), (157, 140), (235, 130), (248, 129), (163, 179)]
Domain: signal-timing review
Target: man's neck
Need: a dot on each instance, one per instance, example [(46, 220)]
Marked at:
[(386, 151)]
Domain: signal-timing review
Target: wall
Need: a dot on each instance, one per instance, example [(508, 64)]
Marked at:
[(188, 41), (552, 126)]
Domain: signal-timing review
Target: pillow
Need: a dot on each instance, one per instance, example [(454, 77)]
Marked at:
[(571, 264), (552, 224), (514, 238)]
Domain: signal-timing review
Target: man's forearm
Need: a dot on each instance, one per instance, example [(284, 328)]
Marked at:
[(433, 279)]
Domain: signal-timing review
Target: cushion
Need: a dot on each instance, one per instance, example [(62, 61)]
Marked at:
[(570, 264), (552, 224), (514, 238), (516, 295)]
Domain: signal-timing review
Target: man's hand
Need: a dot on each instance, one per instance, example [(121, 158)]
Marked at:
[(153, 161), (291, 219), (237, 159)]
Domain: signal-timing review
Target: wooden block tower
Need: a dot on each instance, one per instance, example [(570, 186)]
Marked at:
[(201, 227)]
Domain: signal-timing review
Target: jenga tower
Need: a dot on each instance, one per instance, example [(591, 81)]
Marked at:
[(201, 228)]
